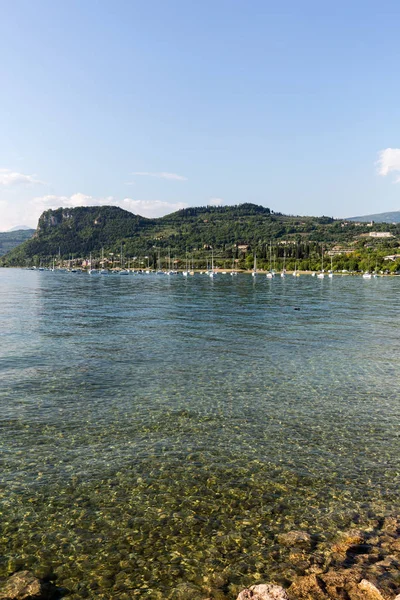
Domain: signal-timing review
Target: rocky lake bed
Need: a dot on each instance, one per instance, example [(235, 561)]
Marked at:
[(359, 564)]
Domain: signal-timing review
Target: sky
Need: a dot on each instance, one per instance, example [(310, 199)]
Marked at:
[(155, 105)]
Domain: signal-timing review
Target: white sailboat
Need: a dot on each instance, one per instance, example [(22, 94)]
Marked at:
[(122, 271), (185, 273), (103, 271), (330, 274), (91, 271), (168, 271), (367, 274), (254, 273), (283, 272), (321, 274), (233, 272), (270, 273), (212, 273)]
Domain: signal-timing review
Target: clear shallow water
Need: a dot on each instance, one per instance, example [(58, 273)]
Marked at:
[(158, 431)]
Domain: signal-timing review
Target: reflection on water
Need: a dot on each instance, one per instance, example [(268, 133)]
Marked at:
[(161, 431)]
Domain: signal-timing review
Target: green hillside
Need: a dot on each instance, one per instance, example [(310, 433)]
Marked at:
[(234, 233), (11, 239)]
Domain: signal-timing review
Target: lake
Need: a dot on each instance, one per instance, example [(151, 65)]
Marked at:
[(159, 431)]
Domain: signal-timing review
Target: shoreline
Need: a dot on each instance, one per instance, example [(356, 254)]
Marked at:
[(217, 271), (358, 564)]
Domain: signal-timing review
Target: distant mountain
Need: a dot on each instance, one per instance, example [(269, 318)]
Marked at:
[(82, 230), (386, 217), (232, 231), (20, 228), (11, 239)]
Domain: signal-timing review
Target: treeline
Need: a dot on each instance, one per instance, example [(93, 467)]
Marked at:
[(234, 232), (11, 239)]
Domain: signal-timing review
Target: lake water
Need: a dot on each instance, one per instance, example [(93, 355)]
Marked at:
[(159, 431)]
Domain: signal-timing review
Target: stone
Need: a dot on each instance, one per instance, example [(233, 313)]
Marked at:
[(186, 591), (371, 592), (391, 526), (294, 538), (25, 586), (307, 588), (336, 583), (263, 591), (395, 546), (347, 540)]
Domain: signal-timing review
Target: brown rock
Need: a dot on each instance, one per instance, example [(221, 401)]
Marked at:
[(294, 538), (365, 590), (395, 547), (336, 582), (308, 587), (370, 589), (263, 592), (391, 526), (347, 540), (25, 586), (186, 591)]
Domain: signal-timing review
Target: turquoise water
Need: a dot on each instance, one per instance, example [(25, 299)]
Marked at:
[(157, 432)]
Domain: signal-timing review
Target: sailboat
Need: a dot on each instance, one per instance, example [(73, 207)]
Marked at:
[(367, 274), (270, 273), (330, 274), (254, 273), (159, 269), (168, 271), (321, 275), (283, 272), (295, 272), (122, 271), (103, 271), (185, 273), (91, 271), (212, 272), (233, 272)]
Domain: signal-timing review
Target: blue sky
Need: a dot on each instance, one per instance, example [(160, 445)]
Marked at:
[(156, 105)]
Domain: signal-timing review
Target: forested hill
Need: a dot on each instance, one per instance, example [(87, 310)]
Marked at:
[(13, 238), (78, 231)]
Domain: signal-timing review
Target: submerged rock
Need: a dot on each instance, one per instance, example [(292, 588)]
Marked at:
[(294, 538), (263, 592), (309, 587), (365, 590), (334, 586), (25, 586)]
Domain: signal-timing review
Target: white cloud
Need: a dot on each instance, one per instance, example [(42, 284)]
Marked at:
[(151, 208), (13, 215), (162, 175), (389, 160), (45, 202), (4, 221), (215, 202), (145, 208), (10, 178)]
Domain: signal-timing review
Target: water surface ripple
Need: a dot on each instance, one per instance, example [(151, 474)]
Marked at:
[(159, 431)]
